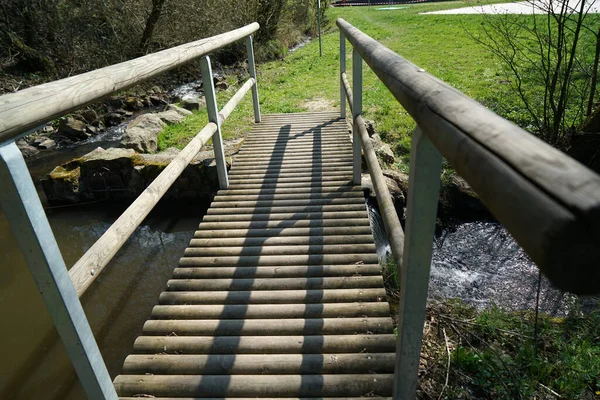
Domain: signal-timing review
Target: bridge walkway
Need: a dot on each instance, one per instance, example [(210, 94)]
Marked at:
[(280, 293)]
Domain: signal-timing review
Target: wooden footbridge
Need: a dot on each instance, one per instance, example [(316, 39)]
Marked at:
[(280, 293)]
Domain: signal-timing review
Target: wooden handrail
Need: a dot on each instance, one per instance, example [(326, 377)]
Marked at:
[(91, 264), (32, 107), (549, 202)]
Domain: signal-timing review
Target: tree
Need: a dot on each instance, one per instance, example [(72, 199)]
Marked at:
[(551, 59), (157, 7)]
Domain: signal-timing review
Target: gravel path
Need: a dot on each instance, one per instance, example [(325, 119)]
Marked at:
[(526, 7)]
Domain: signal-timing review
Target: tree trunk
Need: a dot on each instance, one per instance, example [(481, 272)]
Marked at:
[(594, 77), (153, 18)]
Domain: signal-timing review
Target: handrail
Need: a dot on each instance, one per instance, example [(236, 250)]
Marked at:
[(32, 107), (549, 202), (22, 111), (89, 266)]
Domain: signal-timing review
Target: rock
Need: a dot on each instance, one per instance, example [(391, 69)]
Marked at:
[(382, 150), (122, 174), (133, 103), (182, 111), (89, 116), (158, 101), (26, 149), (72, 128), (47, 144), (91, 129), (222, 85), (142, 133), (156, 90), (171, 117), (114, 102), (193, 102), (113, 119), (370, 125), (394, 188), (48, 129)]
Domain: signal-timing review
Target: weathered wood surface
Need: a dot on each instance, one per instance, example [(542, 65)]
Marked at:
[(32, 107), (271, 299), (549, 202)]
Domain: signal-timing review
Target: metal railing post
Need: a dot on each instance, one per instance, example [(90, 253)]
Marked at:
[(252, 70), (213, 116), (342, 70), (30, 227), (356, 111), (423, 191)]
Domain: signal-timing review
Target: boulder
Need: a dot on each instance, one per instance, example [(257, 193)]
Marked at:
[(122, 174), (222, 85), (26, 149), (171, 117), (141, 134), (133, 103), (89, 115), (47, 144), (72, 128), (179, 110), (193, 102), (394, 188), (382, 150), (113, 118)]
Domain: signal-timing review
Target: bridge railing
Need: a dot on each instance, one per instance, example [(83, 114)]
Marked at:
[(547, 201), (24, 112)]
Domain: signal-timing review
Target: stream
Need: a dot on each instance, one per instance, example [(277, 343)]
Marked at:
[(481, 264)]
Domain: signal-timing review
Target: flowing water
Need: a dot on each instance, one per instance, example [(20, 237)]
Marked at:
[(481, 264)]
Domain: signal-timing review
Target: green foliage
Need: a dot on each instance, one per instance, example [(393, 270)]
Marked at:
[(494, 355)]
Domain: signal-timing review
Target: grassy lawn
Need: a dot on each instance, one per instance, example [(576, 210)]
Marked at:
[(440, 44)]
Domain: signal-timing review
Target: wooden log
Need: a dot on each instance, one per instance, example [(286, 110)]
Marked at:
[(255, 385), (279, 250), (273, 297), (346, 282), (264, 344), (286, 216), (271, 311), (91, 264), (278, 191), (364, 363), (32, 107), (270, 327), (298, 271), (314, 224), (283, 241), (247, 233), (308, 259), (548, 202), (312, 183)]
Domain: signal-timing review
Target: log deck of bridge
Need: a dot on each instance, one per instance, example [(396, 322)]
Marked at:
[(279, 294)]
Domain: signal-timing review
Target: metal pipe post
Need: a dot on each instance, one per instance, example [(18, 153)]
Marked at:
[(421, 209), (29, 224), (342, 70), (213, 116), (252, 70), (356, 111), (319, 23)]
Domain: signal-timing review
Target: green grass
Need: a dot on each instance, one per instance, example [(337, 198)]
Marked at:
[(494, 354), (438, 43)]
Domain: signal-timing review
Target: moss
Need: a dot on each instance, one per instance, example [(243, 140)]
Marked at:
[(66, 174)]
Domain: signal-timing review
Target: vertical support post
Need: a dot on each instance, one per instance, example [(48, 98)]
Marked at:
[(357, 110), (423, 192), (319, 23), (252, 70), (213, 116), (342, 70), (29, 224)]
